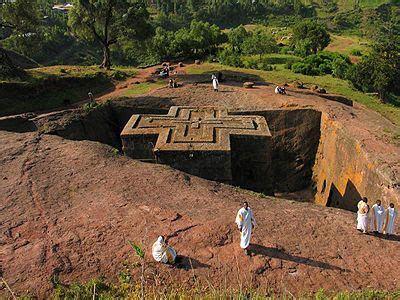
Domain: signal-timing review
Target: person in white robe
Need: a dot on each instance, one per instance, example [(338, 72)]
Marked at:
[(391, 216), (378, 217), (246, 222), (215, 82), (162, 252), (362, 215)]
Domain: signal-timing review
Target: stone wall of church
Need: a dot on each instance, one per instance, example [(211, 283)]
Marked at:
[(344, 171)]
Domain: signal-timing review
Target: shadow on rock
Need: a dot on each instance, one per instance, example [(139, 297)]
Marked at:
[(188, 263), (276, 253), (391, 237)]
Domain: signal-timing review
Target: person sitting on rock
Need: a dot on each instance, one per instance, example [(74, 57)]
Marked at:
[(280, 90), (171, 83), (162, 252)]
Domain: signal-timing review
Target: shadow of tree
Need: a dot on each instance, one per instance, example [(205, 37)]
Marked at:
[(276, 253), (188, 263)]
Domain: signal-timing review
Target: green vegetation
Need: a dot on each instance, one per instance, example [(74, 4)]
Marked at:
[(323, 63), (16, 18), (309, 37), (107, 21), (142, 88), (125, 290), (197, 40), (138, 32), (380, 71), (347, 44), (56, 86)]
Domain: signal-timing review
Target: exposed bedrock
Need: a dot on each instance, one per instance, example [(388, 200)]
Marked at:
[(344, 171), (308, 149)]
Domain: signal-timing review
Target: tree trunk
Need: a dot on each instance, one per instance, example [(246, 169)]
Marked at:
[(106, 58)]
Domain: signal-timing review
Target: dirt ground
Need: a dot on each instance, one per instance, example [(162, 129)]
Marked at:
[(68, 209)]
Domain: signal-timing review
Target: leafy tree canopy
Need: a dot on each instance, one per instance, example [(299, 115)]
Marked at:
[(106, 21), (259, 42), (18, 17), (309, 37), (236, 37)]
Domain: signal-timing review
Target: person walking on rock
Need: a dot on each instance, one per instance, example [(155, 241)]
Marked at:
[(246, 222), (378, 217), (391, 215)]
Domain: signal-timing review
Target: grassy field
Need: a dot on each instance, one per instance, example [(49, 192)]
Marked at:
[(343, 44), (346, 44), (350, 4), (142, 88), (48, 88), (331, 84), (39, 74)]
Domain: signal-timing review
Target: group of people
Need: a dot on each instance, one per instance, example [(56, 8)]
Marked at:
[(381, 220), (172, 83), (164, 253)]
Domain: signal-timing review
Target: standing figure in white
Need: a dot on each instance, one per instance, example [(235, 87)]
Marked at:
[(246, 222), (378, 217), (391, 215), (215, 82)]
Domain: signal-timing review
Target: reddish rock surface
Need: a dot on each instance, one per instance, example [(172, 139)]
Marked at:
[(69, 208)]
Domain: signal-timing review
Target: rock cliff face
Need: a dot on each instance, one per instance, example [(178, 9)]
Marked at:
[(344, 171)]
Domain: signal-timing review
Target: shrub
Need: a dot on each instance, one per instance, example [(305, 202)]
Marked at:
[(356, 52), (323, 63), (119, 75), (230, 58), (89, 106)]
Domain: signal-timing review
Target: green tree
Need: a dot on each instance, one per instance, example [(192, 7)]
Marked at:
[(259, 42), (20, 17), (205, 37), (106, 21), (236, 37), (309, 37), (380, 71)]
